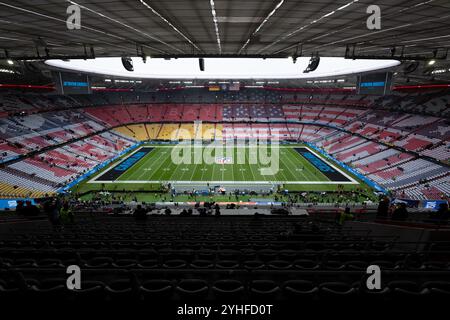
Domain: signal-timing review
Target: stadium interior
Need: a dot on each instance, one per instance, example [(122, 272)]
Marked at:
[(88, 177)]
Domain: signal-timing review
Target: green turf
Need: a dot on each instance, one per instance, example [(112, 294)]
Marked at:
[(156, 168)]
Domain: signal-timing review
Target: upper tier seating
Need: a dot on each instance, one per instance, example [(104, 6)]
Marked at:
[(434, 189), (408, 173), (30, 123), (48, 171), (441, 152)]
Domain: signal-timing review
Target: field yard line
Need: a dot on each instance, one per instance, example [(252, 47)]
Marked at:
[(162, 164), (145, 164), (131, 171), (313, 173), (332, 164), (285, 178), (232, 165), (114, 164), (206, 169), (223, 167), (250, 166), (233, 182), (214, 167), (301, 172), (195, 169), (178, 167), (282, 172)]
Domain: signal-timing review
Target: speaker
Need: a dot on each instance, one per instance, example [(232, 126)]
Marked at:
[(411, 67), (127, 63), (201, 64), (313, 64)]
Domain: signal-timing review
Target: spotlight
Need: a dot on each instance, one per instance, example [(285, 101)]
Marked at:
[(313, 63), (201, 64), (10, 62), (431, 62), (127, 64)]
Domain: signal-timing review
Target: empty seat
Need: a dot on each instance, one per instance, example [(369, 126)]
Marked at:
[(119, 289), (99, 262), (356, 265), (386, 265), (438, 288), (333, 290), (305, 264), (299, 289), (382, 294), (333, 265), (403, 288), (228, 289), (49, 289), (90, 290), (264, 289), (279, 264), (202, 264), (227, 264), (148, 264), (50, 263), (125, 263), (254, 264), (192, 289), (175, 264), (156, 289)]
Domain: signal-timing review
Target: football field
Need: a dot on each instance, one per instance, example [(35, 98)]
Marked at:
[(238, 165)]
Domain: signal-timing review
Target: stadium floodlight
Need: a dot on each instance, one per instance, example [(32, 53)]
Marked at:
[(201, 64), (313, 63), (10, 62), (127, 64)]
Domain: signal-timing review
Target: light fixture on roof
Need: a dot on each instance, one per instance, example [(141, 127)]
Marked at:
[(127, 64), (10, 62), (431, 62), (313, 63), (411, 67)]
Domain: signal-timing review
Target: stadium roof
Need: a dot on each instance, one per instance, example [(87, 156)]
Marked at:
[(223, 27), (237, 27)]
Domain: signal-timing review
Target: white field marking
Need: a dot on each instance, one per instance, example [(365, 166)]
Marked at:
[(120, 161), (289, 159), (231, 182), (324, 159), (352, 181), (150, 160)]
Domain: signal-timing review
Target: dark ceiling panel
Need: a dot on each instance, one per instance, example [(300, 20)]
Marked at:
[(175, 27)]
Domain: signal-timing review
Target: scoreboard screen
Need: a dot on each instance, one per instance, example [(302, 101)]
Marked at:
[(375, 83), (72, 83)]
